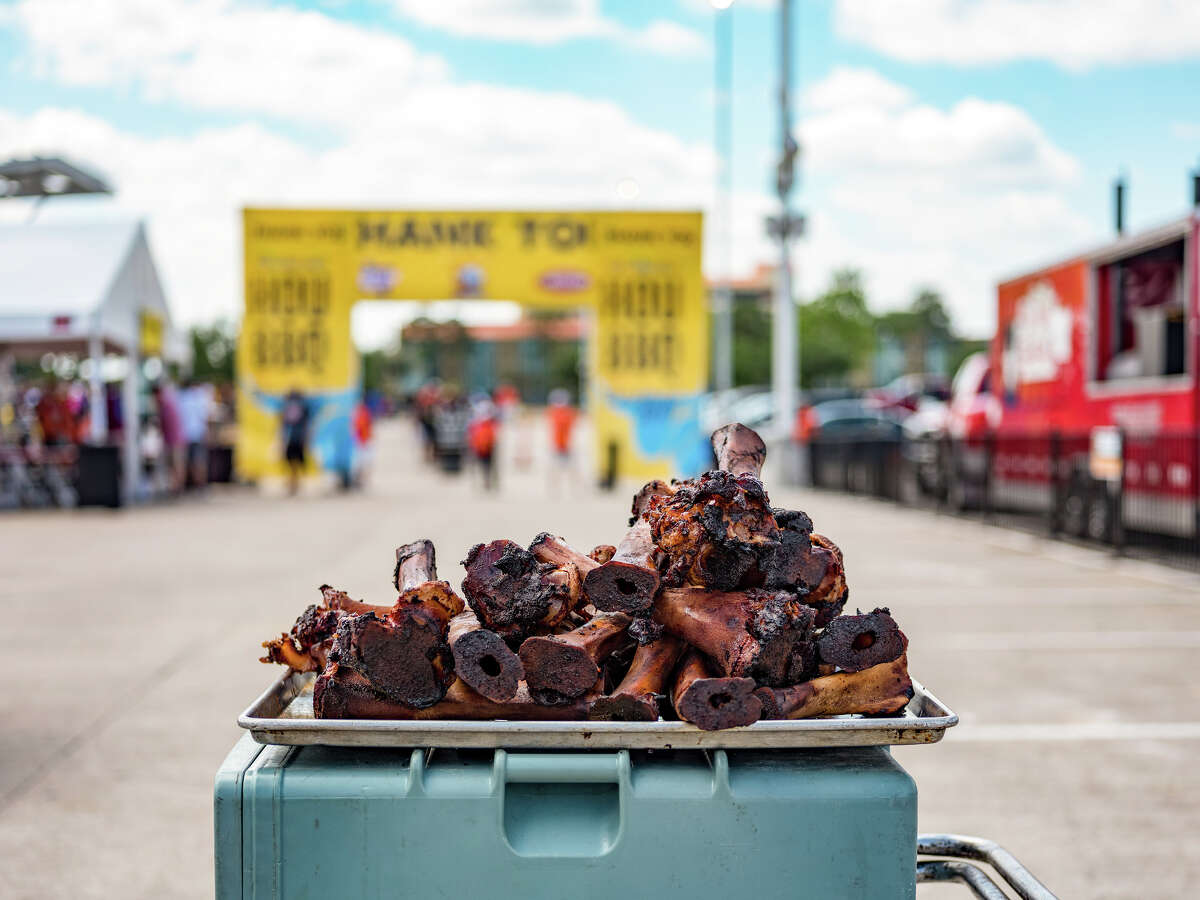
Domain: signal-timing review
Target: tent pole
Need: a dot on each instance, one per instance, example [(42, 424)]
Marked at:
[(130, 449), (97, 404)]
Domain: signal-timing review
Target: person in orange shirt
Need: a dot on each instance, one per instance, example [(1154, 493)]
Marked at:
[(363, 428), (561, 416)]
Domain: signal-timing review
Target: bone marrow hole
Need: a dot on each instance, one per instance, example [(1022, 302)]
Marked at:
[(489, 665), (716, 701), (626, 587), (863, 641)]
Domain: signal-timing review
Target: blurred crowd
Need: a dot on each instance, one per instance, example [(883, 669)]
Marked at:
[(460, 432), (46, 426)]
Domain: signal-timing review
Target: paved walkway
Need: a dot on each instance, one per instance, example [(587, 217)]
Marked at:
[(133, 639)]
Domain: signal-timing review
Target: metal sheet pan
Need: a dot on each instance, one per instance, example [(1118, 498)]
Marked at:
[(283, 715)]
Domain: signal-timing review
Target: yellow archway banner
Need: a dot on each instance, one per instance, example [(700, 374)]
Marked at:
[(638, 271)]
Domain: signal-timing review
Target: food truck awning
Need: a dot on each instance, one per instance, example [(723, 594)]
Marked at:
[(65, 285)]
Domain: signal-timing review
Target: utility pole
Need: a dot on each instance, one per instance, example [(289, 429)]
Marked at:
[(784, 374), (721, 227)]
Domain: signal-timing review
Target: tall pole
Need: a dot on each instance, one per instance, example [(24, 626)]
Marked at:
[(783, 333), (722, 224)]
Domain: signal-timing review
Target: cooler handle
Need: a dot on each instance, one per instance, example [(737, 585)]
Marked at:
[(549, 768)]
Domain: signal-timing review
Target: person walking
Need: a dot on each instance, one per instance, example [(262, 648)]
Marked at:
[(482, 434), (195, 409), (363, 429), (171, 423), (561, 417), (294, 427)]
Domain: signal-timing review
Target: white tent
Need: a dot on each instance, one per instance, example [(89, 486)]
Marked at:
[(85, 289)]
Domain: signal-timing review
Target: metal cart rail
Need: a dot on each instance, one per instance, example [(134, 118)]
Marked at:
[(960, 847)]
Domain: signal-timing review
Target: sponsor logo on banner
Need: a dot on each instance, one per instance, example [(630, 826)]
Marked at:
[(564, 281), (469, 282), (374, 279)]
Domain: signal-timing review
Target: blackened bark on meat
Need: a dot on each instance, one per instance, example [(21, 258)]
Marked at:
[(513, 593), (646, 497), (715, 531), (405, 657), (746, 633)]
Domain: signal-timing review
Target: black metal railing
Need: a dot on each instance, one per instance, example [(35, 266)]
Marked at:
[(1039, 481)]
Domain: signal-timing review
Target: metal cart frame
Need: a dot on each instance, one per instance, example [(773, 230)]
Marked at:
[(962, 847)]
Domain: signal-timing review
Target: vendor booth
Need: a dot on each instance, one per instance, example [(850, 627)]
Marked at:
[(91, 290)]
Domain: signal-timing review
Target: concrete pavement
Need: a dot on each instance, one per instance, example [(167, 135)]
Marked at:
[(133, 637)]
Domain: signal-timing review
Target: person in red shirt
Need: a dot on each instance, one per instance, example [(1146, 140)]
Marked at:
[(54, 415), (482, 433)]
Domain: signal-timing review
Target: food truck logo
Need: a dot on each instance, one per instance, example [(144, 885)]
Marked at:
[(1039, 337)]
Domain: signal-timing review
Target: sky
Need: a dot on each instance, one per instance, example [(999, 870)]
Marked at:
[(945, 143)]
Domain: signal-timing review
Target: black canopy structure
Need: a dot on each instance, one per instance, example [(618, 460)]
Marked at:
[(49, 177)]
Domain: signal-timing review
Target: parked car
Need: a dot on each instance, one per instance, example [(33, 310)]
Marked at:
[(853, 419)]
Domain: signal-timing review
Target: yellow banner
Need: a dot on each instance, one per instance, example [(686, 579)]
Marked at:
[(639, 271), (150, 333)]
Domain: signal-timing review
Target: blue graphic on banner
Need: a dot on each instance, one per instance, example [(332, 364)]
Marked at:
[(330, 439), (670, 427)]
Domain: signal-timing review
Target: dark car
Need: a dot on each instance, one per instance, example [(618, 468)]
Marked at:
[(852, 419)]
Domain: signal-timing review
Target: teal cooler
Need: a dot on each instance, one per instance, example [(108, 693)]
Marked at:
[(335, 822)]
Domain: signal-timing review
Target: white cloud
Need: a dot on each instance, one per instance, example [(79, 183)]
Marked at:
[(216, 55), (845, 86), (527, 21), (1075, 34), (546, 22), (395, 131), (669, 39), (919, 195)]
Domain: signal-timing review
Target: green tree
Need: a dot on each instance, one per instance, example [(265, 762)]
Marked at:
[(837, 332), (751, 344), (214, 351)]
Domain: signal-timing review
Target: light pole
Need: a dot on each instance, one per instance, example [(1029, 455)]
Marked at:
[(721, 227), (784, 375)]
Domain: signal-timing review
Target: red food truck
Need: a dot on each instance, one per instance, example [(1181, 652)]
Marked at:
[(1094, 387)]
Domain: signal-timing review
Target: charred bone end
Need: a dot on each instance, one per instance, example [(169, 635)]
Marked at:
[(486, 664), (621, 587), (854, 643), (556, 670), (407, 661), (714, 703)]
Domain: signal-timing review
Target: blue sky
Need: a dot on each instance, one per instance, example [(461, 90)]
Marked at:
[(946, 142)]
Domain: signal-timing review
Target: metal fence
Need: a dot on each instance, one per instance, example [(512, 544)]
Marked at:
[(1039, 482)]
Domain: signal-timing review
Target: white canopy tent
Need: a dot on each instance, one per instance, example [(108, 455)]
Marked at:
[(86, 289)]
